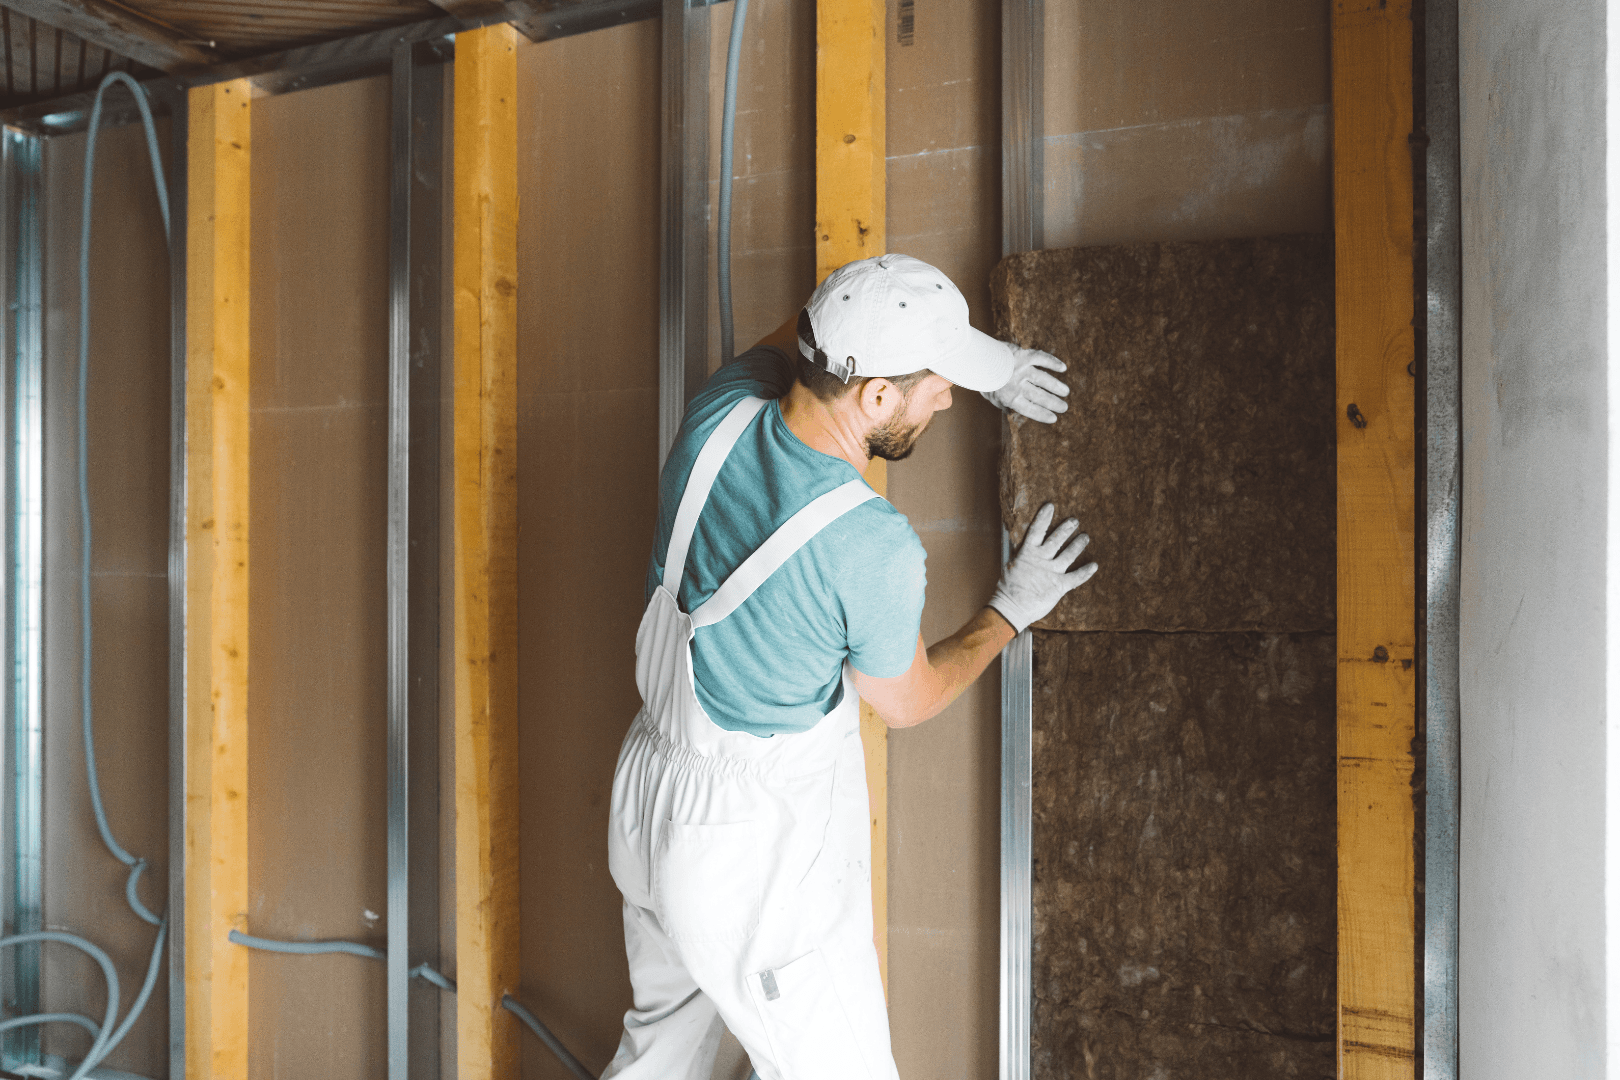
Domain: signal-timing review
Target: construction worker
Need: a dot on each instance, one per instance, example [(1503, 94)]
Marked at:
[(781, 590)]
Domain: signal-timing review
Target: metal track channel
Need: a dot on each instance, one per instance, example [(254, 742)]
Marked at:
[(429, 185), (415, 279), (1023, 125), (1017, 691), (1442, 465), (178, 176), (25, 566), (398, 573), (1023, 47), (683, 299)]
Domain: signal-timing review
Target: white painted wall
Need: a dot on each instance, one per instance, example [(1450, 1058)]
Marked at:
[(1535, 433)]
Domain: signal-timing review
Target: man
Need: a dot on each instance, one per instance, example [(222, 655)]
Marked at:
[(781, 590)]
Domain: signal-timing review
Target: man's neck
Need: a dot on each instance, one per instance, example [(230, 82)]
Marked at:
[(830, 427)]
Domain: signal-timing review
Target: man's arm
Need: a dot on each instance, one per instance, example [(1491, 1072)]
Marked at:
[(1036, 579), (937, 676)]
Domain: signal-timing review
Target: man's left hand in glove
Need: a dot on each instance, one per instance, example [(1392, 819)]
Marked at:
[(1033, 391)]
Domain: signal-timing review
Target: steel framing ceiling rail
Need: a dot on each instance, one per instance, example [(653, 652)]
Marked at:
[(1441, 476)]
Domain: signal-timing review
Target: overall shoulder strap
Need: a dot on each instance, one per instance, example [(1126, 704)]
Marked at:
[(795, 532), (698, 484)]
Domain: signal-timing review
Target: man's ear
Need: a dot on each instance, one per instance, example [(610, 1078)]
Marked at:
[(879, 399)]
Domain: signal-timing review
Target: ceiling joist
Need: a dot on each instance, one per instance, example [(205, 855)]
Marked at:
[(531, 18), (120, 30)]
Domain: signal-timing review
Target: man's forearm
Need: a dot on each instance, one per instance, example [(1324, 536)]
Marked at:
[(959, 659)]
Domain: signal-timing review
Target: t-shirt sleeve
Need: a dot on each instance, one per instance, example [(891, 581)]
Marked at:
[(883, 610)]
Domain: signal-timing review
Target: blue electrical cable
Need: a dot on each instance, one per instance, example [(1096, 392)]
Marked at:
[(100, 1047), (106, 1039), (136, 865), (728, 128), (51, 1018), (543, 1033), (420, 971)]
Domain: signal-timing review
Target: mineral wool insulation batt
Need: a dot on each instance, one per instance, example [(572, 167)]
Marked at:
[(1184, 698)]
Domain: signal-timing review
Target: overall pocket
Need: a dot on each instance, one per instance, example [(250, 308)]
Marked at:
[(805, 1019), (707, 881)]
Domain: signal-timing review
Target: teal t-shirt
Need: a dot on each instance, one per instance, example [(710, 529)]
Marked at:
[(856, 589)]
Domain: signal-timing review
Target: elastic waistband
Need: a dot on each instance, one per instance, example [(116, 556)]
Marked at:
[(777, 766)]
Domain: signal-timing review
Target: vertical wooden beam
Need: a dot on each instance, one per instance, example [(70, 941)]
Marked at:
[(217, 372), (1372, 120), (850, 207), (485, 556), (850, 100)]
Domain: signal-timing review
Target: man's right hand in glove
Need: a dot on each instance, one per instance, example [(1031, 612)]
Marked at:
[(1039, 575), (1033, 583)]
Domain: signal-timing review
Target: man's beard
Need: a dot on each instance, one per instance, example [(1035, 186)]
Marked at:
[(893, 440)]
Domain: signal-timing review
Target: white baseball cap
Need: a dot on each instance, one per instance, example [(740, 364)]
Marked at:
[(893, 315)]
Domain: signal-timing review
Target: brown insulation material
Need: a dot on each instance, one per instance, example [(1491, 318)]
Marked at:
[(1184, 799), (1198, 447), (1184, 837)]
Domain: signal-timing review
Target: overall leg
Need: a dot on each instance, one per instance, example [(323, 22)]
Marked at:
[(803, 994), (673, 1032)]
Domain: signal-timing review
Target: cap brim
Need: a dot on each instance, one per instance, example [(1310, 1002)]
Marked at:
[(979, 363)]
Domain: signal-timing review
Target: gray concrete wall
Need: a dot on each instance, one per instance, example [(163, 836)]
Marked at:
[(1534, 508)]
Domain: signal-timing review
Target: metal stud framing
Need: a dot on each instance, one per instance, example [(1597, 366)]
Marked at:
[(1017, 693), (683, 298), (1441, 479), (415, 291), (25, 567), (429, 184), (1023, 46), (178, 178), (399, 509), (1023, 127)]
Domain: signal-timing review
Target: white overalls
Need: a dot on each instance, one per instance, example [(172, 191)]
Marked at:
[(744, 861)]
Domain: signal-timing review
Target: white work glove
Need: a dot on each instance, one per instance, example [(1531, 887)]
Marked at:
[(1031, 391), (1039, 575)]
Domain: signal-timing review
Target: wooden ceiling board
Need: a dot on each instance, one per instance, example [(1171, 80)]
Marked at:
[(39, 62), (244, 29), (149, 37)]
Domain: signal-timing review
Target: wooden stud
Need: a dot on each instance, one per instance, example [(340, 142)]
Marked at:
[(217, 373), (1377, 705), (485, 555), (850, 170), (850, 209)]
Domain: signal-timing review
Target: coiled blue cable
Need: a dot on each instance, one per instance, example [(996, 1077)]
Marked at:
[(101, 1046), (106, 1039), (728, 131), (104, 1043)]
